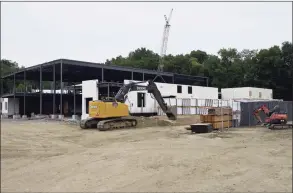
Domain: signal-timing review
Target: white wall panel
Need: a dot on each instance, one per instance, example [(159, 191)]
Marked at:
[(247, 93)]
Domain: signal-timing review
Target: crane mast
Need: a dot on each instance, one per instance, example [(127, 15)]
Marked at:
[(164, 41)]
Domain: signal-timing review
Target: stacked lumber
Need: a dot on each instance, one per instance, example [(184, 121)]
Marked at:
[(219, 118)]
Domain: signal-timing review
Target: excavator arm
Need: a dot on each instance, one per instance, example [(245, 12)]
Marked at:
[(151, 88), (256, 114), (267, 112)]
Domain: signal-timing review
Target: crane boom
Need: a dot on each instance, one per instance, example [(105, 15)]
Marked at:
[(165, 41)]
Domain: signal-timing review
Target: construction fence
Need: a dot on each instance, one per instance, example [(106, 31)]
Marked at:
[(242, 111)]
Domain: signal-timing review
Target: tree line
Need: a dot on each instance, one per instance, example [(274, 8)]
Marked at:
[(264, 68)]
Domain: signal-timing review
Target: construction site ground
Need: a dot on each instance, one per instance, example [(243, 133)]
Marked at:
[(52, 156)]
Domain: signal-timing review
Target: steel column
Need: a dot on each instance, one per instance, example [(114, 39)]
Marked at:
[(61, 85), (24, 93), (108, 90), (2, 91), (54, 92), (14, 87), (41, 90), (132, 75), (102, 74), (74, 99), (207, 82), (142, 76)]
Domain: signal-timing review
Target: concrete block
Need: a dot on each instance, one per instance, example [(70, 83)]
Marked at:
[(75, 117), (41, 116), (54, 116), (16, 117), (4, 116), (61, 117)]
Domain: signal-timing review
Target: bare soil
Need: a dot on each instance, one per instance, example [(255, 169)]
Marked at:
[(47, 156)]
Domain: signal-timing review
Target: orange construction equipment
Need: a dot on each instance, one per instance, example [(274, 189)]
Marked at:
[(275, 119)]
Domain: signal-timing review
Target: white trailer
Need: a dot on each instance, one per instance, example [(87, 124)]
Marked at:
[(9, 106), (141, 102), (90, 92), (247, 93)]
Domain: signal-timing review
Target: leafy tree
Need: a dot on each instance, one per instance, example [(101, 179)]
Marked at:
[(266, 68), (8, 67)]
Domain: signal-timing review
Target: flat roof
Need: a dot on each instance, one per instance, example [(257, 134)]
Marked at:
[(77, 71)]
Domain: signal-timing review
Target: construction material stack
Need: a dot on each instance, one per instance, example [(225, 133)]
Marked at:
[(219, 117)]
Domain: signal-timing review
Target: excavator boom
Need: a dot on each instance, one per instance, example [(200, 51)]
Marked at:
[(151, 88)]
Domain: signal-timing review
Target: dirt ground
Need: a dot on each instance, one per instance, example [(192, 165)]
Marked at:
[(56, 157)]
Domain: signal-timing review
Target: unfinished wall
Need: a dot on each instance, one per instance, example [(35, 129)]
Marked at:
[(10, 106), (90, 92)]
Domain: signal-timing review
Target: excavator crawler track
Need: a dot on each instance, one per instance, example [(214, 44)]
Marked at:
[(88, 123), (118, 123), (280, 126)]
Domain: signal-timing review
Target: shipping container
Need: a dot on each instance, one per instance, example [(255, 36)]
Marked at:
[(247, 93)]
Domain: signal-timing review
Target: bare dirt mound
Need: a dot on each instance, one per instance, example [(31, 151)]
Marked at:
[(164, 121)]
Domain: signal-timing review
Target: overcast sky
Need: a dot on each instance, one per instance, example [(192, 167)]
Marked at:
[(34, 33)]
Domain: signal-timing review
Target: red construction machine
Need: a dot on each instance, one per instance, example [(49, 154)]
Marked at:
[(275, 119)]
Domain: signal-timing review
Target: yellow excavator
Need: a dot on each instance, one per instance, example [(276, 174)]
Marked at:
[(108, 115)]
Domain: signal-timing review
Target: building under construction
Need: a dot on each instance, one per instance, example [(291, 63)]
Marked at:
[(49, 86)]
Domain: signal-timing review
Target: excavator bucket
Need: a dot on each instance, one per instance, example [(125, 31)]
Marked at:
[(259, 121), (172, 113)]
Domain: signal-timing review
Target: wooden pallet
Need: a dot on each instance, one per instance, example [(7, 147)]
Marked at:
[(219, 110), (217, 121), (220, 125), (215, 118)]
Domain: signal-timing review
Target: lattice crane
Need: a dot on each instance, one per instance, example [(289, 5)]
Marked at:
[(164, 41)]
